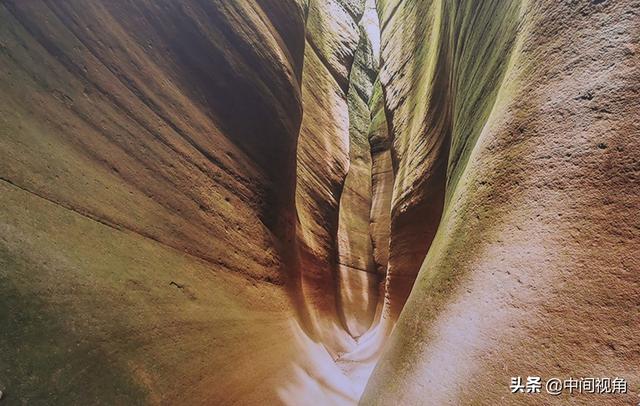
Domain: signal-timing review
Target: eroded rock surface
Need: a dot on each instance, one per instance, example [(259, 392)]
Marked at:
[(148, 174), (249, 202), (323, 163), (532, 271)]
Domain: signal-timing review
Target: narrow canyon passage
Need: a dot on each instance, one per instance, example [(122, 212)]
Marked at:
[(317, 202), (340, 283), (358, 282), (363, 236), (345, 278)]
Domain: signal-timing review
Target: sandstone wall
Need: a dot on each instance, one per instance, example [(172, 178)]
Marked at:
[(170, 209), (333, 195), (160, 118), (148, 159), (532, 271), (245, 202), (357, 279)]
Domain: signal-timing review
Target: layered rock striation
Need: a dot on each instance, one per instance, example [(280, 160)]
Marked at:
[(285, 201), (148, 174)]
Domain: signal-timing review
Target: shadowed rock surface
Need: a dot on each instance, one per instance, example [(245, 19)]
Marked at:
[(317, 201), (148, 169)]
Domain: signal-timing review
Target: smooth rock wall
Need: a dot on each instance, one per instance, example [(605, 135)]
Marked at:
[(323, 163)]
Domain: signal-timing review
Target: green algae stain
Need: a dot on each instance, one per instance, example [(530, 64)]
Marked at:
[(483, 38)]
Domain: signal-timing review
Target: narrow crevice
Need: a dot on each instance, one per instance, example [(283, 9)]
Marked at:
[(357, 281)]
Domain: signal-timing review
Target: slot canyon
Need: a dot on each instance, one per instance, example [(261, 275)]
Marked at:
[(318, 202)]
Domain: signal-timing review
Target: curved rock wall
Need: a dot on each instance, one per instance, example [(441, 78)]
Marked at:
[(418, 117), (323, 163), (357, 279), (444, 63), (161, 187), (148, 158), (531, 272), (160, 118), (235, 202)]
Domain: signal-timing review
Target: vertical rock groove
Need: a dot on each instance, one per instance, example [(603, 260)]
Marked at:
[(357, 278), (439, 91), (147, 178), (323, 163), (489, 108)]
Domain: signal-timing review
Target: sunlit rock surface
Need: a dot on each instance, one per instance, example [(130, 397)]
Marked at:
[(533, 269), (358, 282), (155, 223), (323, 163)]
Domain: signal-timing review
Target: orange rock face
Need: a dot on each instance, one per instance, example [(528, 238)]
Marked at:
[(323, 163), (317, 201), (156, 124)]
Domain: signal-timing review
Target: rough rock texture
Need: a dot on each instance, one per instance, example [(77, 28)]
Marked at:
[(165, 205), (147, 175), (437, 100), (138, 135), (533, 270), (418, 117), (249, 201), (357, 278), (382, 178)]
